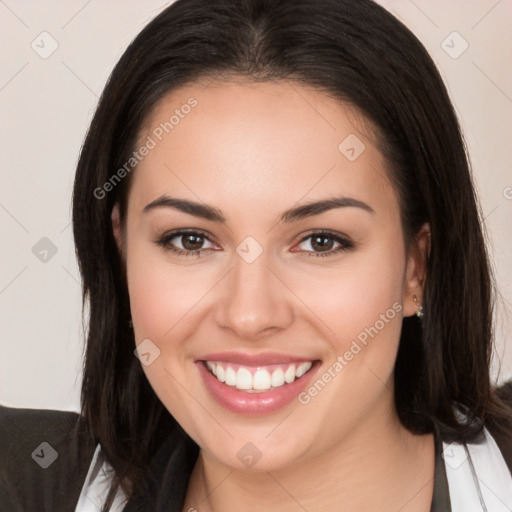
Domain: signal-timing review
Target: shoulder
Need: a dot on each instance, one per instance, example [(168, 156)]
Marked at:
[(45, 459)]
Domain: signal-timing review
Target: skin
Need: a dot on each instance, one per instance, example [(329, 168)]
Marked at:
[(253, 151)]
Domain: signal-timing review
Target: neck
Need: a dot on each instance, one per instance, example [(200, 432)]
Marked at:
[(379, 466)]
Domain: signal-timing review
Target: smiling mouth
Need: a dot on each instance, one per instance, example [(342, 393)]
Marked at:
[(257, 379)]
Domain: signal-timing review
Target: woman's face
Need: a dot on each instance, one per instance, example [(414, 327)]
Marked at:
[(278, 286)]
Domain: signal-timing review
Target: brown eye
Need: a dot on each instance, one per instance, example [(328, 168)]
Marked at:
[(192, 242), (185, 242), (322, 243), (325, 244)]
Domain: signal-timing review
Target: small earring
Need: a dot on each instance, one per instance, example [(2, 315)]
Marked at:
[(419, 312), (130, 323)]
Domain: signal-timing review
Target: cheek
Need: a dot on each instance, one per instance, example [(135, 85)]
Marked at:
[(162, 300), (360, 307), (156, 299), (161, 294), (353, 296)]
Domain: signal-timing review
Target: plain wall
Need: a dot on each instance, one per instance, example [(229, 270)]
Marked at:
[(47, 103)]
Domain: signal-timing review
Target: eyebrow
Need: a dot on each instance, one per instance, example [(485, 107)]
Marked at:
[(207, 212)]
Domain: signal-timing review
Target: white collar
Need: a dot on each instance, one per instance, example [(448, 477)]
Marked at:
[(96, 486), (478, 477)]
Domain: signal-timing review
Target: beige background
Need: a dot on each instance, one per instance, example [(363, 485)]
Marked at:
[(47, 103)]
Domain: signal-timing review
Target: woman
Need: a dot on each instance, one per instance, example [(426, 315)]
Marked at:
[(289, 292)]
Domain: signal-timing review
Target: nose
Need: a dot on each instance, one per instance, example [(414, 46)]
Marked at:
[(254, 301)]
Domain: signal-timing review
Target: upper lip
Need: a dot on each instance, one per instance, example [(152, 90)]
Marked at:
[(247, 359)]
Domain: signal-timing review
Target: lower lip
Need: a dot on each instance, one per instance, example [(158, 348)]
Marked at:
[(264, 402)]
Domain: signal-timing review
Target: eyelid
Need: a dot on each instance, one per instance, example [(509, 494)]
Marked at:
[(345, 242), (164, 238), (319, 232)]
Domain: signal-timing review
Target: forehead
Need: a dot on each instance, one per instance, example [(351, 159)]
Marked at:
[(257, 143)]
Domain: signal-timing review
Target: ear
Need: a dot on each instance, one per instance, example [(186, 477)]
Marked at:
[(117, 228), (415, 273)]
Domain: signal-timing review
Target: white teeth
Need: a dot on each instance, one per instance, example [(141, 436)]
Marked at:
[(261, 380), (289, 375), (230, 376), (302, 369), (244, 379), (277, 378), (220, 373)]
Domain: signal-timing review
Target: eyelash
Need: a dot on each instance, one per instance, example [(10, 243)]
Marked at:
[(345, 243)]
